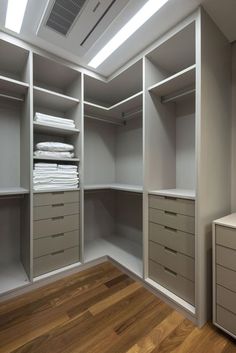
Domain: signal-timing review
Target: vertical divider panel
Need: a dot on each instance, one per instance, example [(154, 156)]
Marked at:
[(82, 169), (26, 171)]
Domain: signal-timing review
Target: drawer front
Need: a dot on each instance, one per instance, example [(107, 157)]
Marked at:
[(226, 257), (226, 319), (176, 205), (179, 263), (172, 238), (172, 220), (226, 237), (54, 243), (226, 298), (226, 278), (53, 198), (57, 210), (60, 259), (177, 284), (48, 227)]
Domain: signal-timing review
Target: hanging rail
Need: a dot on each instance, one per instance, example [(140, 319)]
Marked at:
[(167, 99), (2, 95)]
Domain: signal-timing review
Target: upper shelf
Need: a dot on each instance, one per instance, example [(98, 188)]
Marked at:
[(53, 100), (121, 111), (54, 130), (56, 159), (120, 187), (13, 88), (176, 83)]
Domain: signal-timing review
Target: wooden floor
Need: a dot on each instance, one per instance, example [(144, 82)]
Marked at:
[(101, 310)]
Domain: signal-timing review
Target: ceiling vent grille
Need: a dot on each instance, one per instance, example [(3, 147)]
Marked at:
[(63, 15)]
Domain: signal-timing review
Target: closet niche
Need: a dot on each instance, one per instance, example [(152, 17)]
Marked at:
[(114, 169)]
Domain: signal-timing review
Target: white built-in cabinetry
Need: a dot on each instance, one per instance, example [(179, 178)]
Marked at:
[(147, 145)]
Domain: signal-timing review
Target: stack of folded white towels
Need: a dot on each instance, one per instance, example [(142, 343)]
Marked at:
[(54, 120), (54, 150), (53, 176)]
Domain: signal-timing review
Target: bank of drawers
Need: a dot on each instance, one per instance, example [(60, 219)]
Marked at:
[(56, 230), (225, 278), (172, 244)]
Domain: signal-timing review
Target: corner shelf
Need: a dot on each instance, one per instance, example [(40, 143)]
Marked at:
[(53, 100), (176, 83), (8, 191), (57, 159), (54, 130), (119, 111), (121, 187)]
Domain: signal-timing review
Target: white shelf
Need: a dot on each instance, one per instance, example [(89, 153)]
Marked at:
[(122, 250), (56, 159), (52, 129), (12, 276), (10, 86), (55, 189), (53, 100), (125, 107), (121, 187), (13, 191), (184, 194), (227, 221), (176, 83)]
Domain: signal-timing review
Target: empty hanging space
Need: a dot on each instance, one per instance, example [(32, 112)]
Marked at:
[(170, 112)]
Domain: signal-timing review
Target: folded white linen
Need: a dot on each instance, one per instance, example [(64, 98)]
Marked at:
[(50, 118), (45, 166), (58, 181), (48, 154), (54, 124), (54, 147), (55, 172), (67, 167)]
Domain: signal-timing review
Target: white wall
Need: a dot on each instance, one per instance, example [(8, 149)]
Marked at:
[(99, 152), (129, 154), (185, 145)]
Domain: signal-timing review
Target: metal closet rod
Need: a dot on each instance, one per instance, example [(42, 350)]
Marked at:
[(131, 115), (168, 99), (2, 95), (104, 120)]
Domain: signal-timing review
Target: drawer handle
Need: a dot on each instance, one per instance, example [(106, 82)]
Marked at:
[(58, 205), (58, 235), (170, 250), (56, 218), (170, 272), (170, 198), (170, 213), (171, 229), (58, 252)]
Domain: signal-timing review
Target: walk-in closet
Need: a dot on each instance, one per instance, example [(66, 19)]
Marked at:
[(120, 151)]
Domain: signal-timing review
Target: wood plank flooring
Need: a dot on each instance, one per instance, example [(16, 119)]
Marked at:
[(101, 310)]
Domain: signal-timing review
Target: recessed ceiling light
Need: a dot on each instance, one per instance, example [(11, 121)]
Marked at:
[(15, 14), (147, 11)]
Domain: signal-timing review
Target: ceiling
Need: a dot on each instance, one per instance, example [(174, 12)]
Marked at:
[(34, 31)]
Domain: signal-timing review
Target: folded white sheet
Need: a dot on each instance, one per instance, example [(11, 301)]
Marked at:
[(48, 154), (67, 167), (54, 147), (40, 117), (43, 166), (54, 187)]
